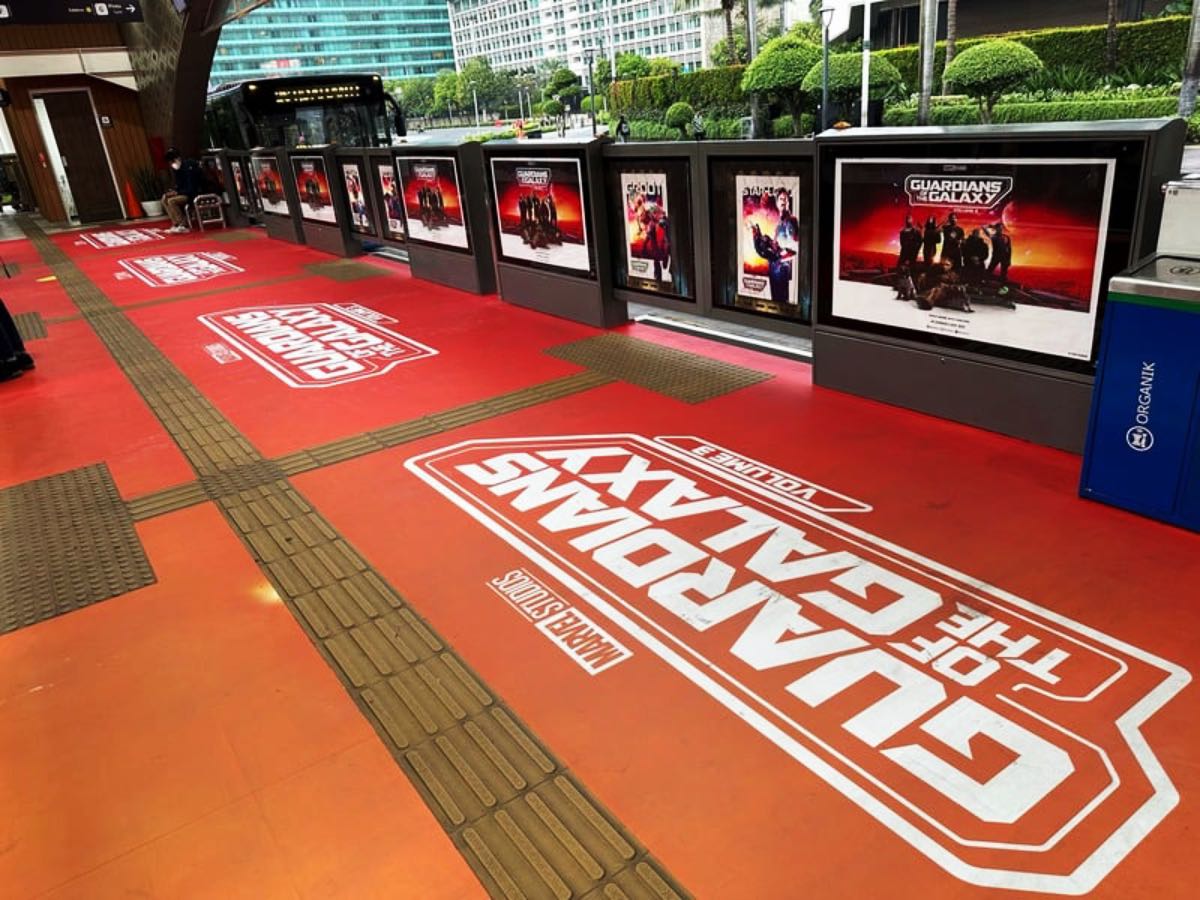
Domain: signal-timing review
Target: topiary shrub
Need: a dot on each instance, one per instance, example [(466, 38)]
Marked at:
[(845, 78), (552, 108), (987, 70), (680, 115), (779, 71)]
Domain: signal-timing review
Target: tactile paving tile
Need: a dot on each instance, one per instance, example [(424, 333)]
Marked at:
[(344, 270), (523, 822), (30, 325), (665, 370), (66, 541)]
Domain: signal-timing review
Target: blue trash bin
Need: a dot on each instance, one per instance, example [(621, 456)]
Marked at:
[(1143, 443)]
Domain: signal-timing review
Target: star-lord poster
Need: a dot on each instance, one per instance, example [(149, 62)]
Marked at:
[(432, 201), (769, 240), (312, 186), (539, 205), (647, 226), (1006, 252)]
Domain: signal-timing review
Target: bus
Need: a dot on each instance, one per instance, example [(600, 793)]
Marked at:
[(304, 110)]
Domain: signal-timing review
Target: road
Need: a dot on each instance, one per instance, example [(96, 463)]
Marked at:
[(455, 135)]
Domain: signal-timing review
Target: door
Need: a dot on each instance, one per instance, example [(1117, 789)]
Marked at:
[(82, 152)]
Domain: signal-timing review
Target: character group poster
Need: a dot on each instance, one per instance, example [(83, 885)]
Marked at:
[(1003, 251), (270, 185), (392, 203), (239, 183), (647, 226), (432, 201), (312, 186), (769, 242), (539, 203), (360, 216)]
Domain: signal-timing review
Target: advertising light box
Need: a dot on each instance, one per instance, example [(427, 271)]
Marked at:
[(312, 187), (433, 201), (540, 216), (1003, 252), (270, 185)]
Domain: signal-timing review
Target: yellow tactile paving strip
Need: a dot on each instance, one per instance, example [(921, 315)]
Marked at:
[(523, 822)]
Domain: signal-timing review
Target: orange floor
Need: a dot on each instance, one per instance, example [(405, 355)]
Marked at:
[(186, 740)]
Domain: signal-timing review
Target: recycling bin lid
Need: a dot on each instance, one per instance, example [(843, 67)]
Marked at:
[(1168, 276)]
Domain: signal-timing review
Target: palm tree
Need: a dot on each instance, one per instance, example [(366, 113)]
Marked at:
[(1110, 42), (951, 35), (1191, 70), (726, 8)]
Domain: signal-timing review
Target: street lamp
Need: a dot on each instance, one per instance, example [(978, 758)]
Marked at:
[(475, 97), (826, 19), (588, 54)]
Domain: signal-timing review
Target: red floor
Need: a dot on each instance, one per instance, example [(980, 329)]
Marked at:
[(240, 767)]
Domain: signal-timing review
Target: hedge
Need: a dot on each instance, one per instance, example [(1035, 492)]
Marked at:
[(1064, 111), (714, 130), (783, 126), (1193, 128), (1082, 47), (707, 90)]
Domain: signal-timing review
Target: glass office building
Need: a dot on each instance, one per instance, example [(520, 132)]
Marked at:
[(397, 39)]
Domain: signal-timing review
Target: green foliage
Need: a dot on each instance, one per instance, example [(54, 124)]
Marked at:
[(552, 107), (715, 128), (148, 183), (1059, 111), (585, 105), (715, 92), (1160, 41), (445, 92), (660, 65), (632, 65), (564, 84), (722, 57), (789, 126), (1177, 8), (845, 78), (602, 72), (1193, 128), (492, 88), (780, 70), (679, 115), (416, 96), (808, 31), (987, 70)]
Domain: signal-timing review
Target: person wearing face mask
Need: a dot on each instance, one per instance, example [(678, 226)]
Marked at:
[(188, 183)]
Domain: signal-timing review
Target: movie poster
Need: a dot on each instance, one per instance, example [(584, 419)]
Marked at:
[(647, 226), (1003, 251), (769, 241), (312, 187), (393, 205), (432, 204), (270, 185), (239, 183), (539, 203), (213, 173), (356, 195)]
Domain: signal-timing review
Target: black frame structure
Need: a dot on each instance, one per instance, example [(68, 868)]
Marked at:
[(702, 267), (235, 215), (385, 236), (570, 293), (1033, 396), (284, 227), (332, 237), (470, 269)]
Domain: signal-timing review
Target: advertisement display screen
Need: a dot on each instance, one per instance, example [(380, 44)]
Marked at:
[(540, 215), (393, 204), (762, 237), (312, 187), (239, 184), (1006, 252), (356, 196), (432, 201), (270, 185), (647, 226)]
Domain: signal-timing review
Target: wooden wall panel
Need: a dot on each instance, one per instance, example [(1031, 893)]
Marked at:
[(58, 37), (126, 140)]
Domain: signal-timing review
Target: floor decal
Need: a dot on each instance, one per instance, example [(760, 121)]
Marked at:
[(317, 345), (997, 737), (127, 237), (175, 269)]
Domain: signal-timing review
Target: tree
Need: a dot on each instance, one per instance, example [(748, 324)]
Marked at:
[(988, 70), (680, 115), (951, 36), (721, 56), (445, 92), (552, 108), (564, 84), (1191, 70), (1110, 36), (845, 78), (416, 96), (661, 65), (780, 71), (603, 73), (491, 87), (632, 65)]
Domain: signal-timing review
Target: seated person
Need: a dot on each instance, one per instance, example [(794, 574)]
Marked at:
[(189, 182), (13, 358)]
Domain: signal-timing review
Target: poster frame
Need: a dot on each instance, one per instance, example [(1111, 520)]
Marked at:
[(262, 201), (295, 160), (436, 154)]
